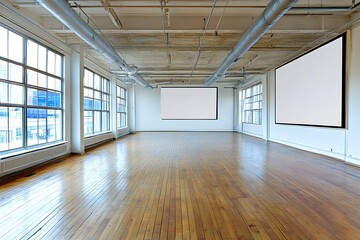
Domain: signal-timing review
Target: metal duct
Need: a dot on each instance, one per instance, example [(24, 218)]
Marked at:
[(272, 13), (64, 13)]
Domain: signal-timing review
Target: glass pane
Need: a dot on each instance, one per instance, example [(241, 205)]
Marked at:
[(32, 97), (123, 120), (51, 83), (97, 104), (3, 92), (90, 79), (3, 70), (97, 82), (42, 125), (58, 65), (16, 94), (4, 129), (86, 78), (118, 91), (41, 98), (105, 85), (3, 44), (15, 73), (97, 121), (58, 84), (51, 62), (32, 54), (88, 93), (31, 77), (15, 47), (97, 95), (118, 120), (123, 93), (256, 117), (246, 106), (15, 128), (88, 103), (42, 80), (105, 121), (42, 58), (51, 125), (248, 116), (255, 89), (32, 126), (58, 118), (88, 122), (54, 99)]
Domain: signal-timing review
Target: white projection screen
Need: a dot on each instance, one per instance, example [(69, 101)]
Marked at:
[(181, 103), (310, 89)]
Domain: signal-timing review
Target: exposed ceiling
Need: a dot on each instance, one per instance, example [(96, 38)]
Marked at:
[(162, 38)]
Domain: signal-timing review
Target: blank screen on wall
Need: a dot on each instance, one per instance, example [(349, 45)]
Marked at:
[(189, 103), (309, 89)]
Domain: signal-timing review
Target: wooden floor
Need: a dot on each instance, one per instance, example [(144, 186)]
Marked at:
[(185, 186)]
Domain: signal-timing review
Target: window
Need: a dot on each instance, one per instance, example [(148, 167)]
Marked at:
[(253, 104), (121, 107), (30, 93), (96, 103)]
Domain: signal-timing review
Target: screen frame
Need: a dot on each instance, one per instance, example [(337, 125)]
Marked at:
[(186, 119), (343, 82)]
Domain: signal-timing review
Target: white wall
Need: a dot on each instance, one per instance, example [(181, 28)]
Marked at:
[(343, 144), (353, 100), (329, 141), (148, 118)]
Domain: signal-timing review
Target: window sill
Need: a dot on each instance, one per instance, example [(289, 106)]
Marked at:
[(30, 149), (97, 134)]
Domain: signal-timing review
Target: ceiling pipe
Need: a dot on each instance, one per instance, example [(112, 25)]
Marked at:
[(272, 13), (62, 10)]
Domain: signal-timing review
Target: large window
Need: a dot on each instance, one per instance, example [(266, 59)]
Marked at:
[(96, 103), (30, 92), (121, 107), (253, 104)]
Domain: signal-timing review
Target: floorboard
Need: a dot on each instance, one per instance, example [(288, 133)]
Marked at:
[(185, 185)]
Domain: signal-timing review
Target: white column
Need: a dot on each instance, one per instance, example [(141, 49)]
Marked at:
[(265, 107), (77, 100), (132, 108), (67, 101), (236, 110), (113, 106)]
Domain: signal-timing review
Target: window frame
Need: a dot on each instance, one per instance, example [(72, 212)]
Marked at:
[(250, 100), (24, 106), (101, 111), (119, 98)]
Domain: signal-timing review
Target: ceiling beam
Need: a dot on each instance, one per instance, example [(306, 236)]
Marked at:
[(114, 18), (204, 48), (307, 9), (295, 9), (190, 31)]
